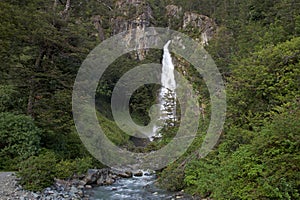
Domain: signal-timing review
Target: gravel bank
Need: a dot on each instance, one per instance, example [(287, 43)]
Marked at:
[(9, 189)]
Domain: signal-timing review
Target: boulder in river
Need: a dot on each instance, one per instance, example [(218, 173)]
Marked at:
[(125, 174), (138, 173)]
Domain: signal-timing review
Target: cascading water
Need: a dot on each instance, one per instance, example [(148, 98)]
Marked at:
[(167, 94)]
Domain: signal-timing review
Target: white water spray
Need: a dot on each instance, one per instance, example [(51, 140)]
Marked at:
[(167, 94)]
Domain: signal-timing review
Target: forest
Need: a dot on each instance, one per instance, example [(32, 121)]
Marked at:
[(255, 45)]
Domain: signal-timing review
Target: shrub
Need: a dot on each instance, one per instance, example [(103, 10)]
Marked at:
[(19, 139), (65, 169), (83, 164), (172, 178), (38, 172), (68, 168)]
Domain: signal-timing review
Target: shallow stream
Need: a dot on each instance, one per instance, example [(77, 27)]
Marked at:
[(135, 188)]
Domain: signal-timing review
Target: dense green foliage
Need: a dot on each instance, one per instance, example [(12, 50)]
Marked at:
[(19, 139), (256, 48), (68, 168), (267, 167), (265, 83), (9, 98), (38, 172), (42, 47)]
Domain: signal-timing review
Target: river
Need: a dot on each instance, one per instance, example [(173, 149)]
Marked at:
[(135, 188)]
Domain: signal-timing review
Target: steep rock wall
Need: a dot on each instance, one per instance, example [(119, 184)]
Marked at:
[(133, 14)]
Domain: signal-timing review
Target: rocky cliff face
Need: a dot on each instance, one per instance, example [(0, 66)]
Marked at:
[(133, 14), (137, 14), (200, 23), (191, 22), (174, 15), (130, 14)]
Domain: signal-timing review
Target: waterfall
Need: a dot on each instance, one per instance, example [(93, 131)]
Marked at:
[(167, 94)]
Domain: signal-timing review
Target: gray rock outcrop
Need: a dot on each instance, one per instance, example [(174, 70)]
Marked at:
[(201, 23)]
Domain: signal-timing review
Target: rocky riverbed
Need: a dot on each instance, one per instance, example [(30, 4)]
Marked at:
[(11, 190), (77, 188), (62, 189)]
